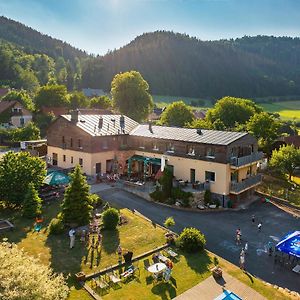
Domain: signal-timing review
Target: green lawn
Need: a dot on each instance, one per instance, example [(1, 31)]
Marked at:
[(288, 110), (138, 236), (162, 101), (187, 272)]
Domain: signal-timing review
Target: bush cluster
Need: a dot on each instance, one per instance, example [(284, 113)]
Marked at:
[(110, 218), (56, 226), (191, 240)]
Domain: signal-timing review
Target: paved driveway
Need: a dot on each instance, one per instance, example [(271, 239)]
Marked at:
[(219, 229)]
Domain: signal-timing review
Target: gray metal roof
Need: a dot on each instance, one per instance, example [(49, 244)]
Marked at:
[(214, 137), (111, 124)]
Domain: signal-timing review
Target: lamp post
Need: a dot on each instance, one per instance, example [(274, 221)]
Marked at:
[(223, 200)]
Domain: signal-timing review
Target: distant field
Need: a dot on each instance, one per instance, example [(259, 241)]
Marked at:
[(162, 101), (288, 110)]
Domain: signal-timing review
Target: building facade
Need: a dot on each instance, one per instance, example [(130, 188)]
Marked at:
[(228, 161)]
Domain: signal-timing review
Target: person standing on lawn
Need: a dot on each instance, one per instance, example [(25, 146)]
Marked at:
[(72, 237)]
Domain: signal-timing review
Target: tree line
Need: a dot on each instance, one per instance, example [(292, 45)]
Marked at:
[(172, 63)]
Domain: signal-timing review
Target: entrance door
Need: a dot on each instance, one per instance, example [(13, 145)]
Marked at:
[(98, 168), (54, 159), (192, 175)]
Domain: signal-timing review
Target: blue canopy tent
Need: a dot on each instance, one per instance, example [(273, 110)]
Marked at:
[(290, 244)]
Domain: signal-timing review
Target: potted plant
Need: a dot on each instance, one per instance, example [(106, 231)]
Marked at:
[(216, 270)]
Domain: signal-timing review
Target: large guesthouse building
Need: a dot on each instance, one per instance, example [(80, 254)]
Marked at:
[(227, 161)]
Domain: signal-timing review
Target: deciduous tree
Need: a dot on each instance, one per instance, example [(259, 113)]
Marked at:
[(130, 95), (24, 277), (286, 159), (17, 170), (20, 96), (177, 114), (78, 100), (102, 102)]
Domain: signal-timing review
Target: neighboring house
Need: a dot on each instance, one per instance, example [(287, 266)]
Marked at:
[(227, 161), (56, 110), (199, 114), (35, 147), (14, 114), (93, 92), (287, 140), (156, 113)]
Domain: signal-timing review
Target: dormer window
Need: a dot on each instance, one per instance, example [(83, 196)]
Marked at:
[(170, 148), (155, 147), (191, 150), (210, 152)]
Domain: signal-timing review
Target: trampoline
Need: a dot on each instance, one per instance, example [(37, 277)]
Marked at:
[(228, 295)]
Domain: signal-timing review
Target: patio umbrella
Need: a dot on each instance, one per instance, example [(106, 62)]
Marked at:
[(290, 244), (57, 178), (228, 295)]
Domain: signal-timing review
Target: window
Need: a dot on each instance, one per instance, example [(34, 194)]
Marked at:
[(191, 150), (80, 162), (170, 147), (210, 152), (155, 147), (210, 176), (104, 144), (141, 144), (64, 158), (79, 143), (22, 121), (71, 143), (72, 160)]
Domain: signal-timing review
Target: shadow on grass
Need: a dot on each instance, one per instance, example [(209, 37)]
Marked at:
[(111, 240), (165, 290), (199, 261)]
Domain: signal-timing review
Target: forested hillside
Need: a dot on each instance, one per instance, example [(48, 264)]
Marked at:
[(176, 64), (173, 64)]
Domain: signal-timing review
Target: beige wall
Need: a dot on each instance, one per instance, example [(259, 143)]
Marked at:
[(182, 168), (15, 120), (242, 172), (89, 159)]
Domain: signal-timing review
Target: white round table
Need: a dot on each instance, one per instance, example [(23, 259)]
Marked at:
[(156, 268)]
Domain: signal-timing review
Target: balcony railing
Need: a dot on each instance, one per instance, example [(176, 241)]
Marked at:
[(238, 187), (244, 160)]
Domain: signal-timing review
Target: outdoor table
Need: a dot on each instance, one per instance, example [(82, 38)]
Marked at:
[(157, 268)]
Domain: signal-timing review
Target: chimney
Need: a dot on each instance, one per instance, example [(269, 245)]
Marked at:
[(100, 123), (199, 131), (150, 127), (75, 115), (122, 123)]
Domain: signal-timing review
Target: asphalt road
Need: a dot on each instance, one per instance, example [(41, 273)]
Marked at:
[(219, 229)]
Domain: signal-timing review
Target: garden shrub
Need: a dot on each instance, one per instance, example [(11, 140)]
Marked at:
[(111, 218), (191, 240), (95, 200), (178, 193), (56, 226), (158, 196), (216, 202)]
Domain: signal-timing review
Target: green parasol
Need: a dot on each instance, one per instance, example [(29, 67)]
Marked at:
[(57, 178)]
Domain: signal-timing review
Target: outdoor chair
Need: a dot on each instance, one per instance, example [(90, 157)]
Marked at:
[(162, 258), (171, 253), (101, 283), (113, 278), (146, 264)]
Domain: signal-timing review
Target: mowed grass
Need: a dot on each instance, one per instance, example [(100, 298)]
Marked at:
[(163, 101), (288, 110), (138, 236), (188, 271)]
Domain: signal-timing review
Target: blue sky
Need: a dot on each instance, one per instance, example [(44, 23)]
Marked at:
[(101, 25)]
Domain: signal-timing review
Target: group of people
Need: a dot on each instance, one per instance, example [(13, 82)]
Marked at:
[(95, 243)]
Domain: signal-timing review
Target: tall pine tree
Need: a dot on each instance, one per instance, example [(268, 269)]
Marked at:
[(32, 205), (76, 206)]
